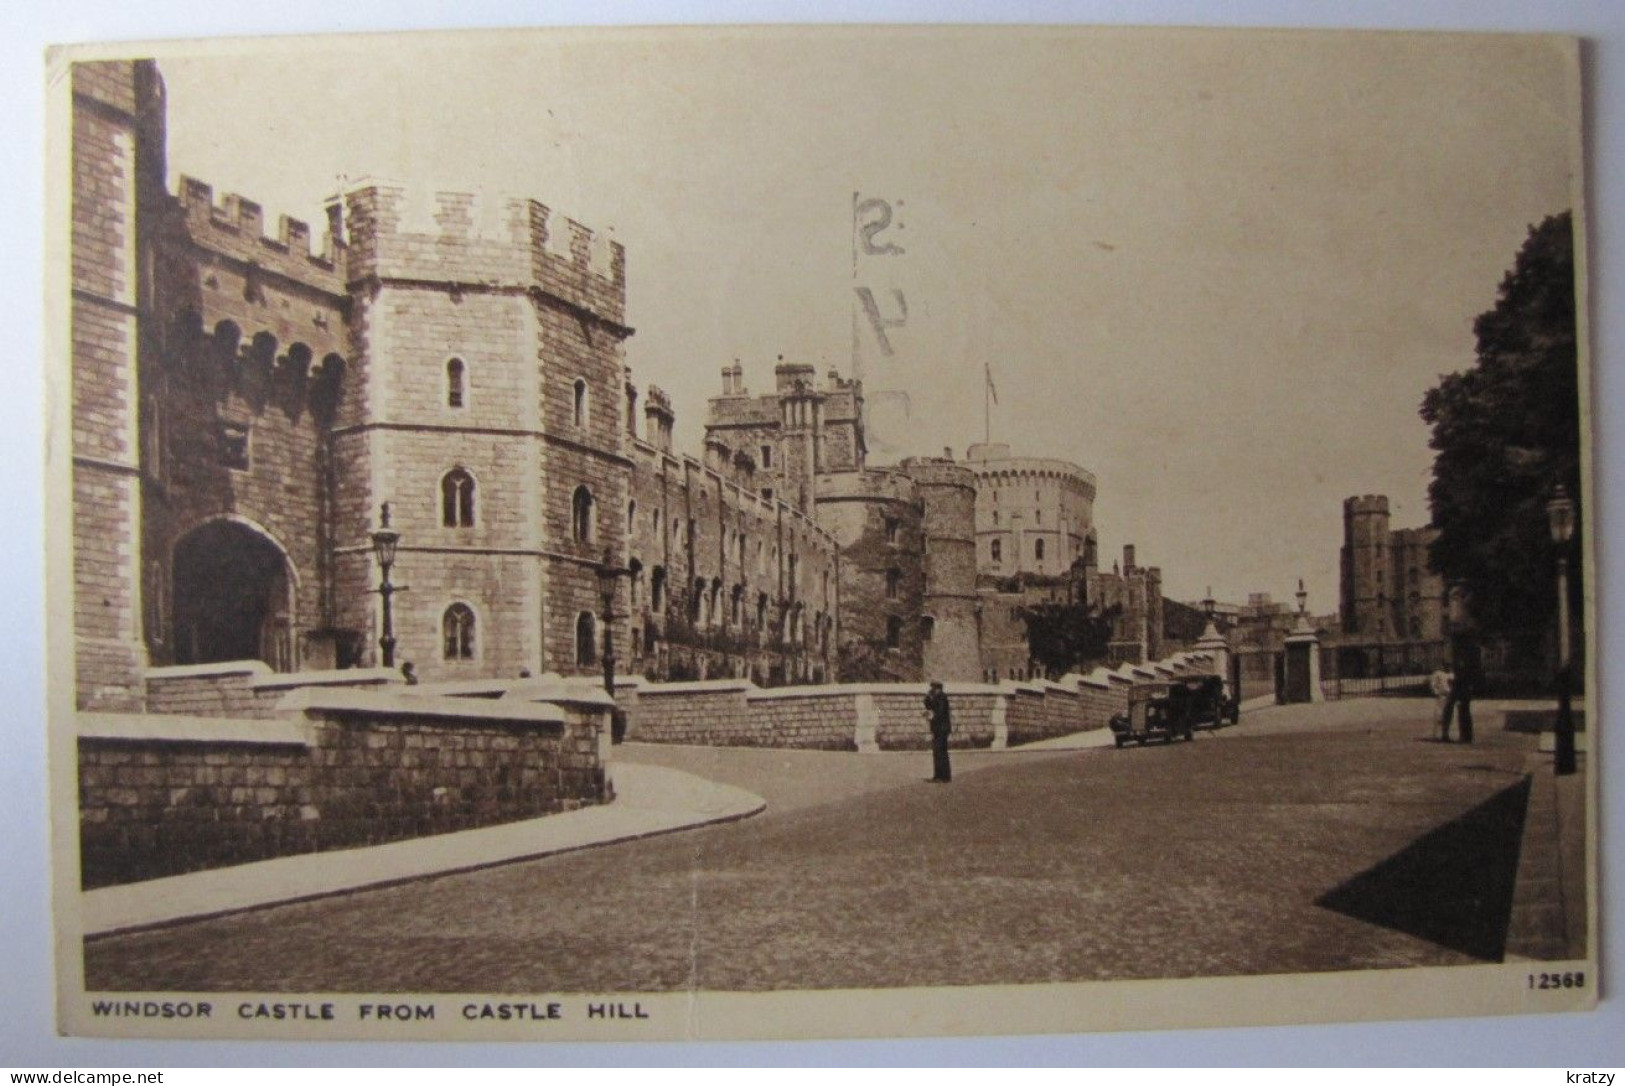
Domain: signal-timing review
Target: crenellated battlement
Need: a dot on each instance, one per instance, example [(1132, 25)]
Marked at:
[(939, 471), (235, 227), (658, 401), (1366, 505), (480, 240), (872, 485)]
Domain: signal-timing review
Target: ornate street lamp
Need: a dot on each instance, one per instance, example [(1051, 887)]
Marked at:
[(385, 540), (1560, 516), (608, 573)]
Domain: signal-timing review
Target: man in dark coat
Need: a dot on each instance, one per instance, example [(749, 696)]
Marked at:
[(1469, 677), (936, 706)]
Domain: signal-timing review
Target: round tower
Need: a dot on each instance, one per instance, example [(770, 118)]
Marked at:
[(1364, 589), (952, 644), (876, 518), (1034, 515)]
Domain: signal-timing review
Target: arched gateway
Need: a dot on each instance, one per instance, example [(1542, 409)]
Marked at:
[(233, 597)]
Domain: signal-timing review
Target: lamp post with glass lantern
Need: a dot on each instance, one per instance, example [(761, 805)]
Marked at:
[(385, 541), (1560, 517)]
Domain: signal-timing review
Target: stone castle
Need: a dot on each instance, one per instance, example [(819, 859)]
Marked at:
[(250, 411), (1386, 588), (245, 405)]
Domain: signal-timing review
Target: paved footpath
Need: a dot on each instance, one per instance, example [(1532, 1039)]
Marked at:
[(1309, 838), (651, 801)]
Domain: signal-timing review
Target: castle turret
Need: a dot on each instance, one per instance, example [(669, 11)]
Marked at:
[(447, 290), (1364, 590), (660, 419), (876, 518), (801, 411), (952, 647)]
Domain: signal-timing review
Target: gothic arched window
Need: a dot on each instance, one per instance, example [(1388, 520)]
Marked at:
[(586, 639), (581, 515), (579, 410), (457, 632), (457, 499)]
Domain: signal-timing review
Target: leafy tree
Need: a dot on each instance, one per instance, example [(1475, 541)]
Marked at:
[(1064, 636), (1507, 431)]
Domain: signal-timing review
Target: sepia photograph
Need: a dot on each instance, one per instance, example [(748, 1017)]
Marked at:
[(794, 532)]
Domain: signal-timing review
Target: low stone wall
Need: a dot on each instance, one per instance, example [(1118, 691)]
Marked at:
[(903, 724), (212, 690), (706, 713), (1099, 700), (1046, 711), (245, 688), (163, 795), (809, 718), (889, 716)]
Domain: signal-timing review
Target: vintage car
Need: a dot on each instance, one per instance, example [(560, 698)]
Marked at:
[(1152, 714), (1207, 703), (1169, 711)]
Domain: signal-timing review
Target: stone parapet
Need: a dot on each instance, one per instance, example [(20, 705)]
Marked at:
[(338, 768), (869, 717), (235, 228), (482, 241)]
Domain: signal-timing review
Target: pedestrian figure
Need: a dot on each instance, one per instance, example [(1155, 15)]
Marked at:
[(1440, 684), (1464, 684), (936, 707), (409, 673)]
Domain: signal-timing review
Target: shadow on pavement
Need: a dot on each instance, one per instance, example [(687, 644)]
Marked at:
[(1453, 886)]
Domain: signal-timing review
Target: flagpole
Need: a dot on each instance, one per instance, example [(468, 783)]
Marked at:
[(988, 396)]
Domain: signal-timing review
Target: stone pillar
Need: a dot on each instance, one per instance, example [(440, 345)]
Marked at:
[(1213, 643), (1303, 658)]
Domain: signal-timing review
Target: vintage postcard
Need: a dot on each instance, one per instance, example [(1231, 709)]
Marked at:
[(818, 532)]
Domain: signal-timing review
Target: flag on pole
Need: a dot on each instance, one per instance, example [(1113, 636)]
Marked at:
[(992, 390)]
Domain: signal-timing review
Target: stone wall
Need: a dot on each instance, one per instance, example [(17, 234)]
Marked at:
[(878, 716), (804, 718), (903, 724), (1042, 710), (876, 518), (1100, 699), (724, 582), (111, 133), (163, 795), (711, 713), (244, 688), (224, 690)]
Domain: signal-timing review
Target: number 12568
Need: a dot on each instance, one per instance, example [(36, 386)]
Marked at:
[(1546, 981)]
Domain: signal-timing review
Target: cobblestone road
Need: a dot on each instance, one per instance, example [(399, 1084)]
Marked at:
[(1325, 839)]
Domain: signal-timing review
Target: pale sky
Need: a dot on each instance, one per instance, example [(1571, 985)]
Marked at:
[(1218, 270)]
